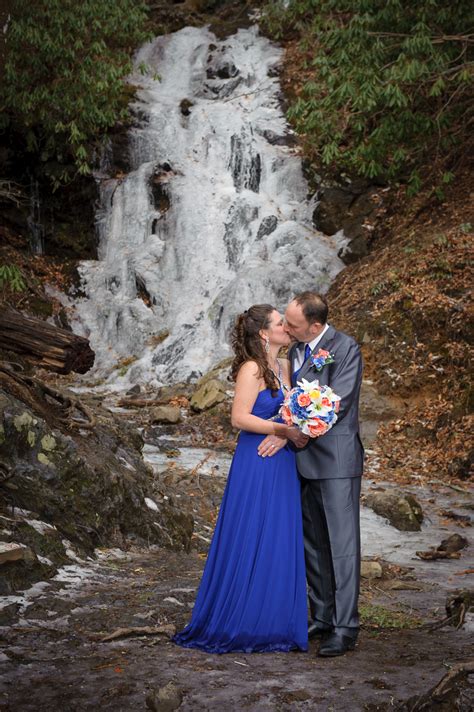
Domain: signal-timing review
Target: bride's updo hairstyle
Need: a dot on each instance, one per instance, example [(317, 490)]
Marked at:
[(248, 344)]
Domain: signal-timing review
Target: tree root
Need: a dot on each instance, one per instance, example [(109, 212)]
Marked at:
[(441, 691), (35, 393)]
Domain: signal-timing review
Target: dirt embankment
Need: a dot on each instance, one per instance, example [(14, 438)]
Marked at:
[(408, 302)]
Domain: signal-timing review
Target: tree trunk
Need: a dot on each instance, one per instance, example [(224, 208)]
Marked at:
[(44, 344)]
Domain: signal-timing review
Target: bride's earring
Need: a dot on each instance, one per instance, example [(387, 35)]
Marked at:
[(267, 345)]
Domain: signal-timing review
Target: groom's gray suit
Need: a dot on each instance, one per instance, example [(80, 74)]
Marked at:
[(330, 468)]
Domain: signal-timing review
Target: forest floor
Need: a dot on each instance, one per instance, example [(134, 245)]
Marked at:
[(55, 659), (54, 656)]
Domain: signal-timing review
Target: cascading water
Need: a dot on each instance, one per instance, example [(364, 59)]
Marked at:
[(213, 217), (34, 223)]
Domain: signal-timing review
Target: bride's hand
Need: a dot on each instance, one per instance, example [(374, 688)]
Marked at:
[(270, 445), (297, 437)]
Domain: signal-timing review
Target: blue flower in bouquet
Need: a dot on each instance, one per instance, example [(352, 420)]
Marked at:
[(313, 408)]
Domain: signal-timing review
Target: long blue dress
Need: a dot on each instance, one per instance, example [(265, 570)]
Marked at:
[(252, 596)]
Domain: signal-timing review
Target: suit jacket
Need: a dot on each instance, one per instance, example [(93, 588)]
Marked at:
[(339, 452)]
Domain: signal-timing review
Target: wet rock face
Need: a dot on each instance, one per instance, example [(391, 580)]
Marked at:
[(79, 490), (222, 69), (158, 180), (403, 511), (275, 139), (245, 165), (267, 226), (347, 209)]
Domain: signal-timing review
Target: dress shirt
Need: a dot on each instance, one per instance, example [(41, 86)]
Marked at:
[(299, 356)]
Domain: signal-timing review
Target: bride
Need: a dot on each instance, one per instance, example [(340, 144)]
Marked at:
[(252, 596)]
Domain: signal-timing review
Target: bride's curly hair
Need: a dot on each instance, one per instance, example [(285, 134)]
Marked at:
[(247, 342)]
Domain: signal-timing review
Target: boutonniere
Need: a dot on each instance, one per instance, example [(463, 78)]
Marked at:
[(321, 359)]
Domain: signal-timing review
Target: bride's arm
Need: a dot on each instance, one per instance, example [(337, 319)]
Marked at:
[(247, 387), (270, 445)]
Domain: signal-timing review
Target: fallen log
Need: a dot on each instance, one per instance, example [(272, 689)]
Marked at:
[(44, 344)]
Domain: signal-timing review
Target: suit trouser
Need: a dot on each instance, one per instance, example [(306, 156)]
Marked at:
[(332, 549)]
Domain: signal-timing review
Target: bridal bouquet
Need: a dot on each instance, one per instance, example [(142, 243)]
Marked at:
[(313, 408)]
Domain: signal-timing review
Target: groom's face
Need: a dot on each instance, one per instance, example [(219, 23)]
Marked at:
[(297, 326)]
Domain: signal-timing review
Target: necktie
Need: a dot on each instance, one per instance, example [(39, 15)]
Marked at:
[(307, 354)]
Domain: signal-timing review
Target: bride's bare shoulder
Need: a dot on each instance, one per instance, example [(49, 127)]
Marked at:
[(249, 369)]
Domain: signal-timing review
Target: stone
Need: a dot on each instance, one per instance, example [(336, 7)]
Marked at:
[(267, 226), (402, 510), (347, 208), (177, 390), (370, 569), (185, 106), (222, 70), (165, 699), (165, 414), (208, 395), (88, 490), (355, 250), (333, 204), (455, 542), (15, 552), (218, 372), (279, 139)]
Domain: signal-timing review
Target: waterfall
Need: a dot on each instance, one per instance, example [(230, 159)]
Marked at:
[(35, 226), (213, 217)]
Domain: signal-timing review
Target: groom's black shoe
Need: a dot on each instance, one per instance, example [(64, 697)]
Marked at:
[(318, 630), (337, 644)]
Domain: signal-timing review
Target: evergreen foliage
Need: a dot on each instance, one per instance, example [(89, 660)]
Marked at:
[(387, 84), (63, 81), (11, 277)]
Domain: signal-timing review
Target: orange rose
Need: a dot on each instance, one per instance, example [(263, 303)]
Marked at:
[(323, 353), (326, 402), (286, 415), (304, 399), (317, 428)]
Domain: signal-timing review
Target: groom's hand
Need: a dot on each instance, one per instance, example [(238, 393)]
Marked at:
[(270, 445), (298, 438)]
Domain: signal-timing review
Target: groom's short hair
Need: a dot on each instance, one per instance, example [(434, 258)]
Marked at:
[(314, 306)]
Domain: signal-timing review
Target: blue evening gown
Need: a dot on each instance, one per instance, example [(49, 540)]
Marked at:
[(252, 596)]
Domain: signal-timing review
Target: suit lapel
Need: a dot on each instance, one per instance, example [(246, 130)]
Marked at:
[(325, 343)]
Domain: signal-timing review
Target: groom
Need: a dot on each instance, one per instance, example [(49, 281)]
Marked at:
[(330, 469)]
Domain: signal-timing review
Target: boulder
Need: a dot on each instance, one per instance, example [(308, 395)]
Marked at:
[(209, 394), (15, 552), (165, 414), (219, 372), (402, 510), (177, 390), (370, 569), (453, 543), (165, 699), (84, 486)]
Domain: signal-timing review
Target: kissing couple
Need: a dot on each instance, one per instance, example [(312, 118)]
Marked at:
[(288, 525)]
